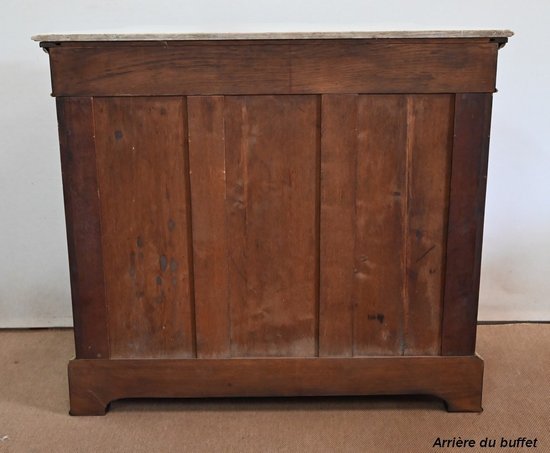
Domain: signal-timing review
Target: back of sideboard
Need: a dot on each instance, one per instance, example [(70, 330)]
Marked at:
[(275, 199)]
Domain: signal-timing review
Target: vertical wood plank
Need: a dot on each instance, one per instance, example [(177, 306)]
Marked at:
[(430, 132), (82, 213), (380, 182), (467, 203), (141, 153), (207, 168), (338, 160), (271, 146), (396, 199)]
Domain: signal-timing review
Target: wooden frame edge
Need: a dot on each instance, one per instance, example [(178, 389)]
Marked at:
[(95, 383), (276, 67), (472, 125), (83, 225)]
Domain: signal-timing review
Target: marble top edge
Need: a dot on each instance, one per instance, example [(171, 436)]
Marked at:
[(279, 35)]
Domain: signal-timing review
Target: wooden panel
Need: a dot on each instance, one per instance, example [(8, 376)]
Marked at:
[(430, 133), (385, 162), (94, 383), (392, 67), (275, 67), (207, 166), (467, 203), (193, 68), (142, 173), (381, 195), (78, 160), (271, 165), (338, 161)]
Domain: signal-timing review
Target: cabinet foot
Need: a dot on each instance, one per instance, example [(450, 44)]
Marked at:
[(460, 403), (85, 398), (87, 405)]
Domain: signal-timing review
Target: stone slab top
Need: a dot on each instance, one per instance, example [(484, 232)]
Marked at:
[(416, 34)]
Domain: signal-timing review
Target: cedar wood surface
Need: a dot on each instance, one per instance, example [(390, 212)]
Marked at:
[(344, 221)]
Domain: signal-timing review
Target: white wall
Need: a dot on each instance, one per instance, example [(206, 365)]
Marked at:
[(34, 284)]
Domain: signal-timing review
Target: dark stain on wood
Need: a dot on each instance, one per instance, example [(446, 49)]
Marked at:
[(376, 317), (135, 171), (173, 265), (163, 261), (421, 257)]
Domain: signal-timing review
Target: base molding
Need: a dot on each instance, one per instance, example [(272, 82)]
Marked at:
[(94, 383)]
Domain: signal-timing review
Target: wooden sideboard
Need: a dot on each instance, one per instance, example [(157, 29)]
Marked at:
[(287, 214)]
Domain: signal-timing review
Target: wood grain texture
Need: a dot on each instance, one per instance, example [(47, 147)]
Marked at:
[(381, 196), (271, 171), (82, 213), (430, 134), (392, 67), (363, 193), (385, 163), (274, 216), (338, 162), (94, 383), (210, 248), (142, 175), (193, 69), (275, 67), (472, 122)]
